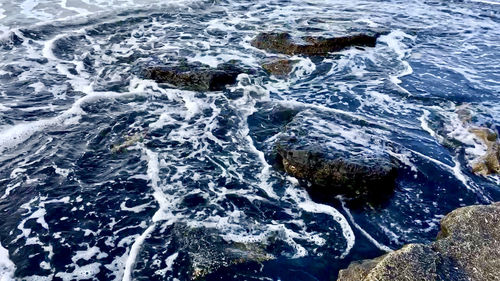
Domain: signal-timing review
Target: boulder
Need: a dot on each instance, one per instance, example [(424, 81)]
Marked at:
[(206, 251), (310, 46), (195, 77), (332, 154), (467, 248), (279, 68)]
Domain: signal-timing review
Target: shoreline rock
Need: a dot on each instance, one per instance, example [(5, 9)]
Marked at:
[(206, 251), (195, 77), (279, 68), (334, 155), (467, 248), (489, 162), (311, 46)]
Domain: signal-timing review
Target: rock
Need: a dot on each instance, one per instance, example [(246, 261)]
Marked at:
[(467, 248), (333, 154), (206, 251), (129, 140), (489, 163), (312, 46), (279, 68), (195, 77)]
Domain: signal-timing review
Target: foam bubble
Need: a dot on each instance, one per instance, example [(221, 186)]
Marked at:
[(7, 267)]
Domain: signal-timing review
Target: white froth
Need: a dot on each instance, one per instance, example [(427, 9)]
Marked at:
[(366, 234), (7, 267), (84, 272), (87, 254), (169, 265), (305, 203), (424, 123), (134, 252), (17, 134)]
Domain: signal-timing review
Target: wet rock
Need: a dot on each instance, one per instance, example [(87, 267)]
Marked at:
[(310, 46), (333, 154), (467, 248), (195, 77), (129, 140), (279, 68), (206, 251), (489, 163)]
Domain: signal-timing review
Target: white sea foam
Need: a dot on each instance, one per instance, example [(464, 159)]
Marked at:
[(7, 267), (366, 234), (424, 123), (134, 252), (17, 134), (300, 196)]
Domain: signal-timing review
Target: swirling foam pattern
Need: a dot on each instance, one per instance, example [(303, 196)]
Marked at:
[(100, 168)]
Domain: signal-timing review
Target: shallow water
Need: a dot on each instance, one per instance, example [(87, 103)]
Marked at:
[(99, 166)]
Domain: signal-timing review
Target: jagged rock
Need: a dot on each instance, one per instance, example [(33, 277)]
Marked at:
[(467, 248), (489, 163), (206, 251), (311, 46), (279, 68), (333, 154), (195, 77)]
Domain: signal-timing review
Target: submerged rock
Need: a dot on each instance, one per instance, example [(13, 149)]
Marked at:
[(467, 248), (489, 163), (206, 251), (311, 46), (279, 68), (195, 77), (129, 140), (333, 154)]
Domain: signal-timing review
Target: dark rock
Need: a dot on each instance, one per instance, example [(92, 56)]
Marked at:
[(10, 41), (195, 77), (333, 154), (206, 251), (467, 248), (312, 46), (279, 68)]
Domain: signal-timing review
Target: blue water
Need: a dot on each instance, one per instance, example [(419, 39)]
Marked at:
[(108, 176)]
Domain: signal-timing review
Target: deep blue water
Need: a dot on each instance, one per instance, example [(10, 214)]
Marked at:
[(107, 176)]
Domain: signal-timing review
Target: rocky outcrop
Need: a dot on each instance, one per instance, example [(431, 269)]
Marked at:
[(206, 251), (195, 77), (467, 248), (488, 162), (310, 46), (279, 68), (333, 154)]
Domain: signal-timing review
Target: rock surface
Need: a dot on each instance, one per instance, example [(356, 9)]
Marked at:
[(311, 46), (279, 68), (489, 162), (467, 248), (195, 77), (206, 251), (333, 154)]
